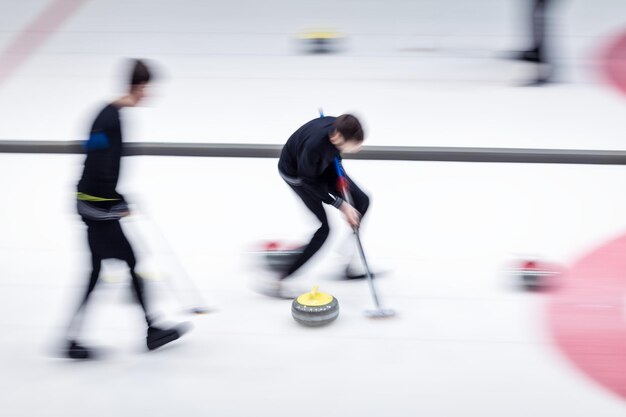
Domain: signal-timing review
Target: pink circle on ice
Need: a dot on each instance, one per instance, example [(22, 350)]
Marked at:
[(587, 315), (614, 62)]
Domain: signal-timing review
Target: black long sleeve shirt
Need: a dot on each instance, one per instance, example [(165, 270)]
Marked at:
[(102, 163), (308, 159)]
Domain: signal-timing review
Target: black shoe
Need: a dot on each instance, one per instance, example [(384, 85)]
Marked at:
[(537, 82), (530, 56), (350, 274), (76, 351), (526, 56), (158, 337), (544, 74)]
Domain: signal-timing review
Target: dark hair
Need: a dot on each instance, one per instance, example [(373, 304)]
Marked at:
[(140, 73), (349, 127)]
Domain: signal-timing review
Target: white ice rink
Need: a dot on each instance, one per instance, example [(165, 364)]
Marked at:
[(423, 73)]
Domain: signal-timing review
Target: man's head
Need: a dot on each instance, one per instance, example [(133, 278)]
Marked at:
[(348, 135), (139, 79)]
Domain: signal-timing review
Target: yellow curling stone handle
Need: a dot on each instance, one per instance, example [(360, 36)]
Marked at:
[(319, 34), (315, 298)]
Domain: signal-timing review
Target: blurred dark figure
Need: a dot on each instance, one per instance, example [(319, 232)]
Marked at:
[(101, 207), (537, 53), (309, 164)]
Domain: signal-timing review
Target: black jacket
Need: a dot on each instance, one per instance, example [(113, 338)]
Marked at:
[(97, 186), (308, 160)]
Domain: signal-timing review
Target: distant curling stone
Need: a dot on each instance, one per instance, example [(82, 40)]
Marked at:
[(279, 257), (533, 275), (320, 41), (315, 308)]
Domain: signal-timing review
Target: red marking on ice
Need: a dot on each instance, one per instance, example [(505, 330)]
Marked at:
[(36, 34), (586, 315)]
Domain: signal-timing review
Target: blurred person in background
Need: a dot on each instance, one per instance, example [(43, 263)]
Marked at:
[(101, 207), (308, 164), (536, 53)]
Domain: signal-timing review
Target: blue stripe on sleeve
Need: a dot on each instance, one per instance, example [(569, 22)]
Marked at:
[(96, 141)]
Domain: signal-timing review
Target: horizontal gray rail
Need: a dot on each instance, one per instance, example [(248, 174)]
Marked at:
[(380, 153)]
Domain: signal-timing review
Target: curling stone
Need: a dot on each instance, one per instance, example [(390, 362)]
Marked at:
[(280, 257), (315, 308), (533, 275), (320, 41)]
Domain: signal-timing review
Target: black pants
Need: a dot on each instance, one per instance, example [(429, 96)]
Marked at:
[(539, 23), (107, 241), (361, 204)]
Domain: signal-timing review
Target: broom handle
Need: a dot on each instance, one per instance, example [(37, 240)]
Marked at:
[(345, 190)]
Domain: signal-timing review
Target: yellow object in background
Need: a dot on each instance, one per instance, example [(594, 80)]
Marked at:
[(319, 35)]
